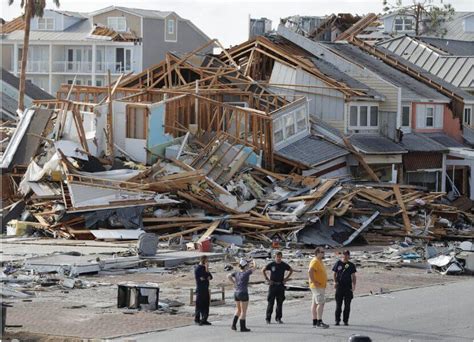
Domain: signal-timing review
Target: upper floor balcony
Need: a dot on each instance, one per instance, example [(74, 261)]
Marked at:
[(75, 67)]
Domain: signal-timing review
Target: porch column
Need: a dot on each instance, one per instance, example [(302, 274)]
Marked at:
[(443, 174), (15, 59), (50, 66), (94, 62), (471, 181)]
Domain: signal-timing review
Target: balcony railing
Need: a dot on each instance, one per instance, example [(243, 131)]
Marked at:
[(86, 67), (35, 66)]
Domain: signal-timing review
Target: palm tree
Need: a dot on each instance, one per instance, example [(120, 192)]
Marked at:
[(31, 8)]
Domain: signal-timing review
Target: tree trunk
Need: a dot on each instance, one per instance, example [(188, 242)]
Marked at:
[(24, 55)]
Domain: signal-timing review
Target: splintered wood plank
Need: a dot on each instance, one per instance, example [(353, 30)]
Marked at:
[(406, 220), (209, 231)]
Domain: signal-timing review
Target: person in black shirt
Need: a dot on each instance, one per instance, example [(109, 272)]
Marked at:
[(344, 283), (203, 298), (276, 290)]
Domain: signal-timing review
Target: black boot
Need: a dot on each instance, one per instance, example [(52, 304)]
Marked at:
[(234, 323), (243, 328)]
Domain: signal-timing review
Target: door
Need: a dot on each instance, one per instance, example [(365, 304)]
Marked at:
[(123, 59)]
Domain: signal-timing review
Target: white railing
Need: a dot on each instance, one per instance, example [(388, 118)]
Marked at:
[(35, 66), (86, 67)]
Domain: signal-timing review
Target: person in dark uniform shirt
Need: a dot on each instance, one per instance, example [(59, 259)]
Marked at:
[(344, 283), (276, 289), (203, 298)]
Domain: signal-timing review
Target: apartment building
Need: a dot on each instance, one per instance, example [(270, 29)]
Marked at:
[(84, 46)]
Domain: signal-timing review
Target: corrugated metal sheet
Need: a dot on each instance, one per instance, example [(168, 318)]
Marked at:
[(411, 88), (453, 69)]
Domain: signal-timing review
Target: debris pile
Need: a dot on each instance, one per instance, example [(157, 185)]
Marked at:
[(217, 189)]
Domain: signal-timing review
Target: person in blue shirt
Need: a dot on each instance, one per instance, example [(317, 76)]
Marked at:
[(203, 297), (240, 279)]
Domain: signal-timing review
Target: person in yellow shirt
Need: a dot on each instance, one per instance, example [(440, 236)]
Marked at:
[(317, 282)]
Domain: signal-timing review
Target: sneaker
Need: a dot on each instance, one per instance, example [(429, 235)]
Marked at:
[(279, 321), (323, 325), (268, 321), (205, 323), (337, 323), (346, 323)]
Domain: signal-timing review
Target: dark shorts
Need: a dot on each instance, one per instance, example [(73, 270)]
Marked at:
[(241, 296)]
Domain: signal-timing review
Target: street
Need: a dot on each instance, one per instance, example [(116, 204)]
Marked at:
[(436, 313)]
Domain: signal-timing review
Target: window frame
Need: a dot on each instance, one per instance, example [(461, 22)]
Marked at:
[(131, 130), (281, 124), (432, 117), (409, 116), (368, 120), (117, 26), (469, 117), (168, 22), (46, 22), (401, 24)]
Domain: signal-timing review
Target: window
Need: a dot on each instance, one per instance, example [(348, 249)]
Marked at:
[(171, 26), (46, 24), (353, 116), (136, 122), (300, 120), (467, 116), (363, 116), (98, 83), (399, 24), (277, 131), (374, 116), (118, 24), (406, 116), (403, 24), (429, 117), (289, 125)]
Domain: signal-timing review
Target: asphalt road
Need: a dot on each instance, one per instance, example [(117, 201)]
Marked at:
[(436, 313)]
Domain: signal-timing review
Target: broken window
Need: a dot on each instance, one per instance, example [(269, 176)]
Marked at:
[(467, 116), (406, 116), (429, 117), (136, 122)]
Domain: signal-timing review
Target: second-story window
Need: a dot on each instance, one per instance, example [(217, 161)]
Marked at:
[(406, 116), (363, 117), (118, 24), (170, 26), (403, 24), (46, 24), (429, 117), (467, 116)]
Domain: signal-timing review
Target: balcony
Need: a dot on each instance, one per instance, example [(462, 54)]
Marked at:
[(35, 66), (86, 67)]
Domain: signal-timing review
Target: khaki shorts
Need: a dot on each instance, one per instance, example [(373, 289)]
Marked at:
[(319, 295)]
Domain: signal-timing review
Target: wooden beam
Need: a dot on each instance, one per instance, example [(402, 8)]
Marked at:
[(406, 220)]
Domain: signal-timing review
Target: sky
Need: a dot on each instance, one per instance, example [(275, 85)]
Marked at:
[(227, 20)]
